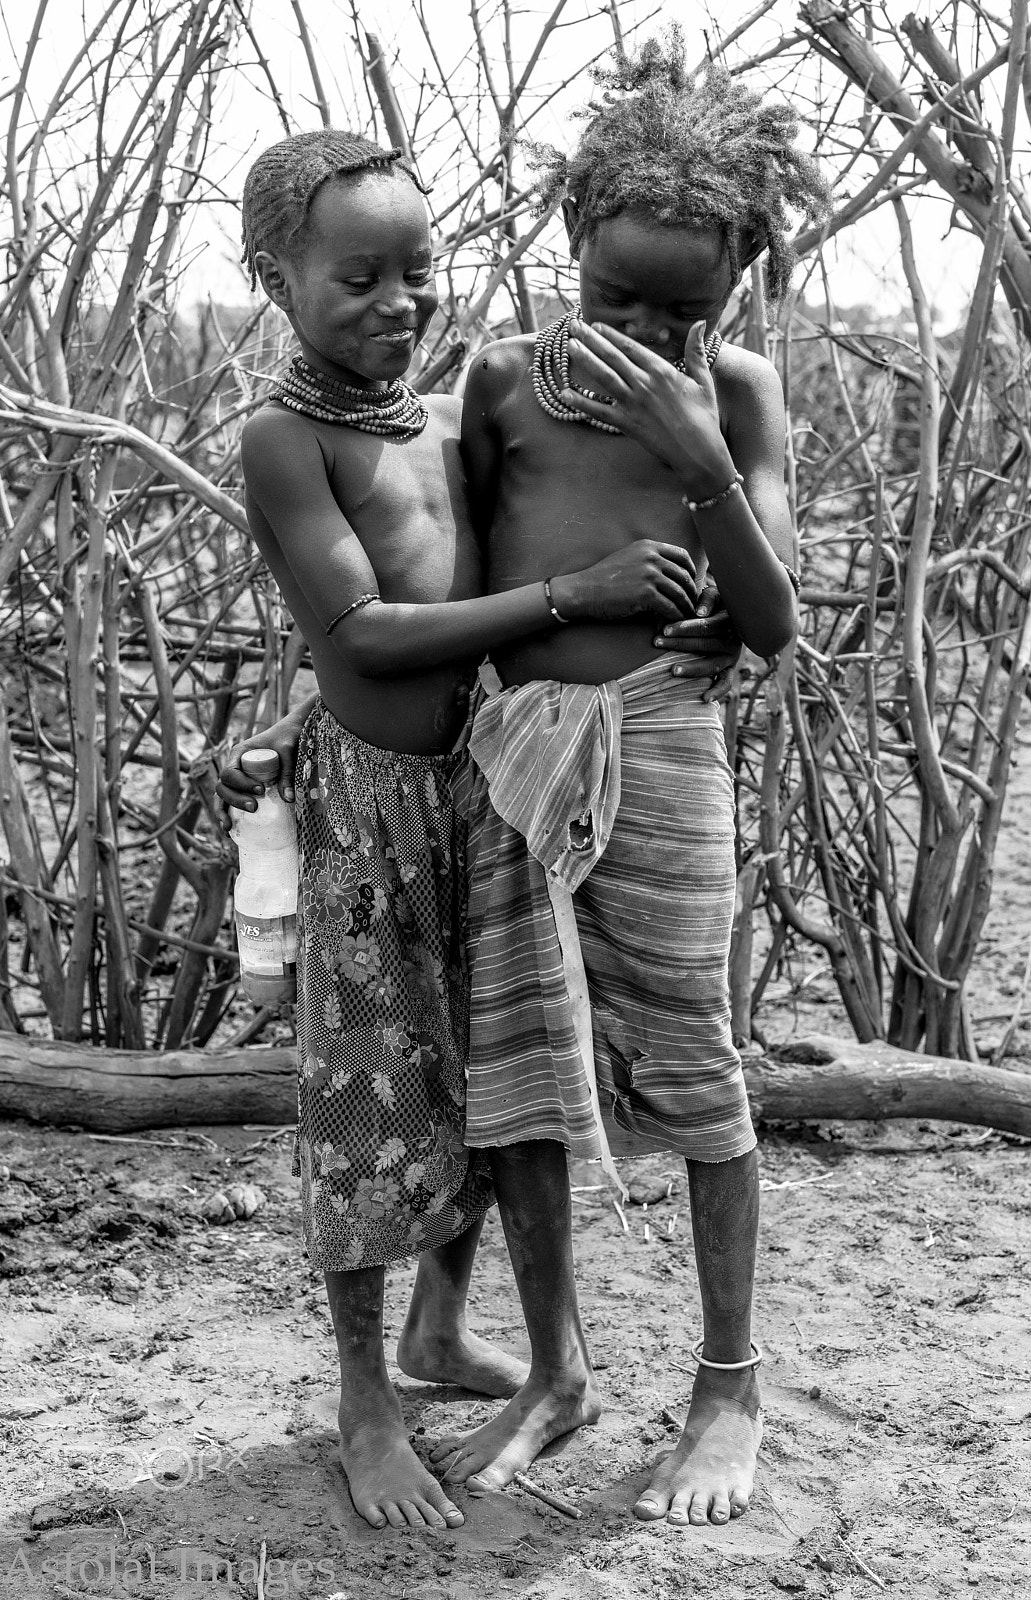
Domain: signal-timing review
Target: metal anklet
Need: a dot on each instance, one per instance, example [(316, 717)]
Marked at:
[(552, 607), (754, 1359)]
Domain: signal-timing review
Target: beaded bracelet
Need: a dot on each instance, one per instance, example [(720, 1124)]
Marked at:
[(362, 600), (716, 499), (552, 607)]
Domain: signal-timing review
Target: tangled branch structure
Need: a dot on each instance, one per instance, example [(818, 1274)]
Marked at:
[(139, 633)]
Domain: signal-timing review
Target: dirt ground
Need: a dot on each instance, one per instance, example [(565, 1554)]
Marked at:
[(168, 1391), (167, 1386)]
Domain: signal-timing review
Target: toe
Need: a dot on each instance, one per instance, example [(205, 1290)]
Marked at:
[(720, 1510), (444, 1448), (394, 1515), (654, 1503), (372, 1515), (443, 1512), (416, 1513), (489, 1480), (699, 1512), (458, 1470), (739, 1502), (651, 1506), (370, 1510), (679, 1513)]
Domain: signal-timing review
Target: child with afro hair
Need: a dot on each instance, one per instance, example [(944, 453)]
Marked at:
[(602, 808)]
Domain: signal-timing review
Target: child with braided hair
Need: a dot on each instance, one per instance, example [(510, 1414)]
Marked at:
[(602, 815), (355, 496)]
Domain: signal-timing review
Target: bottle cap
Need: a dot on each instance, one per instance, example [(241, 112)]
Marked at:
[(260, 764)]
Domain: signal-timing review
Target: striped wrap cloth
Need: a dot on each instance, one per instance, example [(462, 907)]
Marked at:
[(601, 870)]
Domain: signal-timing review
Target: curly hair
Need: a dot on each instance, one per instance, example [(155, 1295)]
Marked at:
[(281, 185), (677, 149)]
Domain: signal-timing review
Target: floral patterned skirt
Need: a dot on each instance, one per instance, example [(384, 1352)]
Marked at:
[(383, 1004)]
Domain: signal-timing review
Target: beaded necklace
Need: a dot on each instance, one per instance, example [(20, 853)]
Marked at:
[(397, 411), (550, 373)]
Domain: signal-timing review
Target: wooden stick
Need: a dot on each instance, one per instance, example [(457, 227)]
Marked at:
[(26, 874), (795, 1183), (555, 1501), (316, 81), (1002, 1047), (375, 65), (165, 1144), (867, 1572)]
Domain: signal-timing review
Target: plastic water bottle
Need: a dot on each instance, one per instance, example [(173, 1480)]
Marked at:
[(265, 897)]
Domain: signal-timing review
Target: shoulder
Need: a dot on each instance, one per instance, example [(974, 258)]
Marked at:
[(751, 402), (275, 428), (277, 442), (751, 405), (742, 374), (506, 353), (445, 411), (497, 367)]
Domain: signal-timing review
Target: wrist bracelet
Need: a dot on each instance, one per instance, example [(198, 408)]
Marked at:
[(552, 607), (714, 499)]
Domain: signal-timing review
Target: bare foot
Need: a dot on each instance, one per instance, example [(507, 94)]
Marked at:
[(388, 1482), (457, 1356), (708, 1477), (490, 1457)]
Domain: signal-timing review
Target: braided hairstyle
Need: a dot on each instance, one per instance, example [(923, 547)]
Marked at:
[(281, 185), (676, 149)]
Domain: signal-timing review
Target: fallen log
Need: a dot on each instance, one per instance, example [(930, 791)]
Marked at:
[(824, 1079), (816, 1079), (120, 1091)]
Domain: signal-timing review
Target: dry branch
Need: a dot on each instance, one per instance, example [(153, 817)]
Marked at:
[(379, 76), (16, 815), (120, 417), (836, 38), (37, 413)]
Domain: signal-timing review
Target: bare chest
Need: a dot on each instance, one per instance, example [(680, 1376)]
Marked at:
[(569, 471), (407, 504)]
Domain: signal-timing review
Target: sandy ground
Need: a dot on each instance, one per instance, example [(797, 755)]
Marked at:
[(167, 1386)]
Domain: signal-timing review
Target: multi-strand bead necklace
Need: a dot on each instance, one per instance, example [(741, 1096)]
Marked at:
[(551, 374), (396, 412)]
